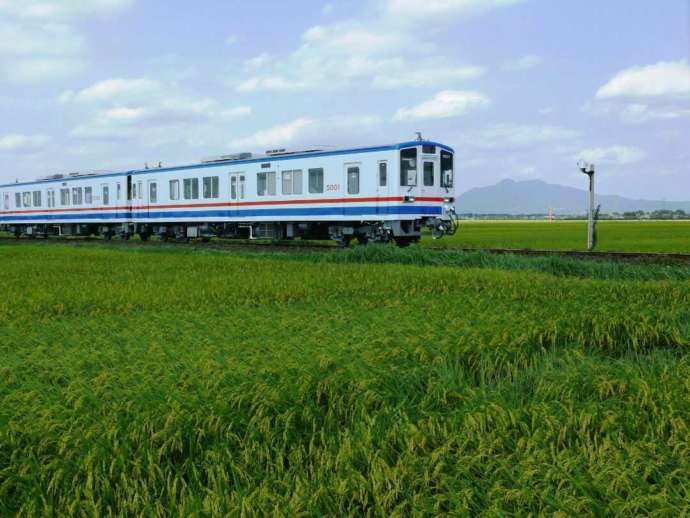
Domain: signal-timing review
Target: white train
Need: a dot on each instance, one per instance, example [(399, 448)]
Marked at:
[(370, 193)]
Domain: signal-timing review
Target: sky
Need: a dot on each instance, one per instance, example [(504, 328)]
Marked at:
[(521, 89)]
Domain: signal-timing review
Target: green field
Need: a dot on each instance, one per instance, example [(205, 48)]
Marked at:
[(620, 236), (143, 381)]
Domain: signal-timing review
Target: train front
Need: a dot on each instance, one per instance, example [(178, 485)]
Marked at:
[(427, 180)]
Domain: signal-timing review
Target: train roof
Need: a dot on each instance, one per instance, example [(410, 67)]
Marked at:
[(239, 158)]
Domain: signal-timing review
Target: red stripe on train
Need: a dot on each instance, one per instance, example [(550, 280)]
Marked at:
[(229, 205)]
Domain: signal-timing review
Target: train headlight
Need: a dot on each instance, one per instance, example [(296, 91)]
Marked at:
[(408, 199), (448, 199)]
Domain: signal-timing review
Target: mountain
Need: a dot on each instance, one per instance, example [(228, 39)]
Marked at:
[(537, 197)]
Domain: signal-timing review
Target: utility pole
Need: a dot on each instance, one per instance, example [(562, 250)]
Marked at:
[(588, 169)]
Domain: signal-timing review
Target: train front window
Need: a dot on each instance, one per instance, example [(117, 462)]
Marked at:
[(408, 167), (446, 169)]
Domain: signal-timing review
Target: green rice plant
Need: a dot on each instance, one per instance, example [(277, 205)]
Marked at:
[(158, 382)]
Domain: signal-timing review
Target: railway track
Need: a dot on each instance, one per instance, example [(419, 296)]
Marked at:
[(296, 247)]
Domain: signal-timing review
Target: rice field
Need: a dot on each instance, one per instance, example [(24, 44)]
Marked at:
[(613, 236), (376, 382)]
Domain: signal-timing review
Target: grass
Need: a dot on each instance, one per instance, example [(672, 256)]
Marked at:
[(181, 382), (619, 236)]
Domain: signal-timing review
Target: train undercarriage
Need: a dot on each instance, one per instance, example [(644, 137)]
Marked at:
[(403, 233)]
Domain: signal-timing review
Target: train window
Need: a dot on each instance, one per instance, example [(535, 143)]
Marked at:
[(88, 195), (153, 192), (266, 184), (174, 189), (316, 180), (211, 187), (64, 197), (6, 200), (133, 193), (353, 180), (233, 187), (191, 188), (446, 169), (26, 199), (106, 195), (242, 187), (428, 174), (118, 191), (140, 190), (429, 150), (408, 167), (18, 199), (51, 198), (292, 182), (37, 198), (383, 173), (77, 196)]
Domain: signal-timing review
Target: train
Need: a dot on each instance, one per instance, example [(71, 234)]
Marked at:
[(371, 194)]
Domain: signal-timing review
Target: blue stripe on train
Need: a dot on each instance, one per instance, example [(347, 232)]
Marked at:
[(419, 210)]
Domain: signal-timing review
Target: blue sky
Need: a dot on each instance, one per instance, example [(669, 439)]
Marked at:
[(521, 88)]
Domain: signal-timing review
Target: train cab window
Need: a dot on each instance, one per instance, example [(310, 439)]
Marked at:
[(316, 180), (428, 149), (446, 169), (77, 196), (266, 184), (88, 195), (292, 182), (191, 188), (153, 192), (353, 180), (64, 197), (51, 198), (105, 195), (428, 174), (383, 174), (26, 199), (37, 198), (174, 189), (18, 200), (210, 184), (408, 167)]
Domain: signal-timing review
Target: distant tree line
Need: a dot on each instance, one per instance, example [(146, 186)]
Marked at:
[(638, 214)]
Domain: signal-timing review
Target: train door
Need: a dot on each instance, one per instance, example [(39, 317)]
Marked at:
[(352, 179), (383, 186), (151, 195), (430, 177), (237, 192)]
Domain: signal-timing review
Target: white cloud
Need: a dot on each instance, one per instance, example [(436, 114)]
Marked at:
[(115, 89), (662, 79), (23, 143), (149, 111), (415, 9), (424, 76), (615, 155), (449, 103), (513, 136), (237, 111), (376, 52), (523, 63), (59, 9), (38, 42), (637, 113), (276, 136)]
